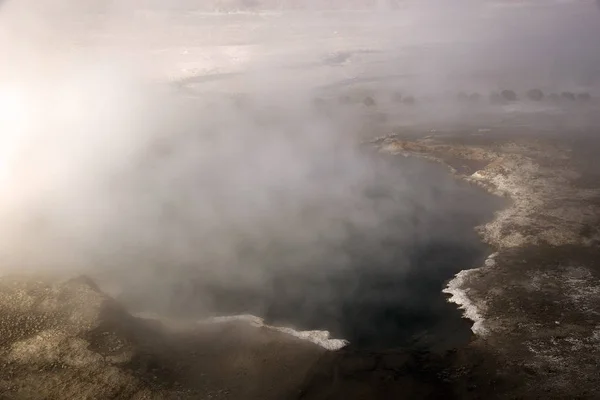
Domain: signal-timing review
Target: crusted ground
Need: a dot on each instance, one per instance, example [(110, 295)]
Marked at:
[(536, 301), (68, 340)]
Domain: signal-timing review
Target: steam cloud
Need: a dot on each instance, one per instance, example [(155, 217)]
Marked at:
[(114, 174)]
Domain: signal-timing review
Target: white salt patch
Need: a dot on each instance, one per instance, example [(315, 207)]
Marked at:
[(321, 338), (459, 296), (596, 334), (491, 260), (251, 319)]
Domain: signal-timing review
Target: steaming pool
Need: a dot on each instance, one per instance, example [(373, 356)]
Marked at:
[(387, 291), (374, 273), (377, 275)]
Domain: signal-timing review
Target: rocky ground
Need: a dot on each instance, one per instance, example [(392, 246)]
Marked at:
[(535, 305), (536, 302), (65, 339)]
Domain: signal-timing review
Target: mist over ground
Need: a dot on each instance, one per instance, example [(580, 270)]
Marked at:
[(149, 146)]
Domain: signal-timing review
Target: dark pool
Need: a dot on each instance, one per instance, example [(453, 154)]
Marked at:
[(388, 293)]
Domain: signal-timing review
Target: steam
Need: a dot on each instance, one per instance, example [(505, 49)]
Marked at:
[(110, 169)]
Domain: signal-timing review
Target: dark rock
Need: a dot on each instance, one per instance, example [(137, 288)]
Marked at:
[(553, 97), (585, 96), (535, 95), (568, 96), (508, 95)]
